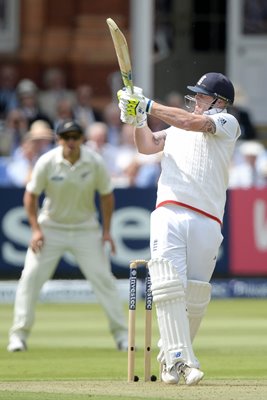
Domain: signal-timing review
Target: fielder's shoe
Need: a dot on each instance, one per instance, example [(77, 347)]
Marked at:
[(170, 377), (16, 344), (191, 375), (122, 345)]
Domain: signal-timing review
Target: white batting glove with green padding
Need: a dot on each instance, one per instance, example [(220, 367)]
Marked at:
[(134, 107)]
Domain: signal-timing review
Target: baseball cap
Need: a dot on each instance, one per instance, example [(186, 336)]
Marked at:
[(215, 84), (69, 126)]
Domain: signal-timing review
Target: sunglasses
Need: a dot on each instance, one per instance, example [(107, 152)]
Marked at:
[(70, 137)]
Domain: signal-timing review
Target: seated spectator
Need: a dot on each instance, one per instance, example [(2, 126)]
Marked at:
[(240, 111), (137, 170), (246, 173), (27, 93), (13, 131), (55, 89), (8, 95), (149, 170), (84, 112), (111, 116), (174, 99), (64, 111), (96, 136), (38, 140)]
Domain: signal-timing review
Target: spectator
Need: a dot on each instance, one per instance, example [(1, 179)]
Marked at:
[(134, 169), (8, 82), (13, 131), (64, 110), (247, 173), (38, 141), (242, 114), (55, 89), (112, 118), (96, 135), (174, 99), (84, 112), (27, 93)]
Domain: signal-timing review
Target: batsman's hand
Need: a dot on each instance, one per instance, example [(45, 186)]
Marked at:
[(133, 107)]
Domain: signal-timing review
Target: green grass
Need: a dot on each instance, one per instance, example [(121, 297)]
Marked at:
[(72, 356)]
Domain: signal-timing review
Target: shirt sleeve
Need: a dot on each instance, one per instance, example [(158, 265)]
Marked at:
[(36, 185), (226, 125)]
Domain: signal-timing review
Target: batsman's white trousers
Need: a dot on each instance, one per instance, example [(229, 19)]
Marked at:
[(86, 246), (189, 240)]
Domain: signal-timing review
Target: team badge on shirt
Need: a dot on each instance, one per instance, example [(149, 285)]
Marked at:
[(222, 121)]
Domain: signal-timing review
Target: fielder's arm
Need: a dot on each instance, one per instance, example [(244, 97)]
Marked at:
[(31, 205), (106, 208)]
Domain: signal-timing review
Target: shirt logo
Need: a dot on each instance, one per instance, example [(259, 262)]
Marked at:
[(85, 174), (222, 121), (57, 178)]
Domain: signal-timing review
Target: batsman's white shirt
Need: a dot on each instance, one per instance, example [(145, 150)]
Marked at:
[(195, 167), (69, 189)]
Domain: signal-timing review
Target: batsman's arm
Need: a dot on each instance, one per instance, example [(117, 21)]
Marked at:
[(148, 142), (183, 119)]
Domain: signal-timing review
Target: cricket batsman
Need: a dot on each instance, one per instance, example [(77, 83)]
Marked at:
[(186, 224)]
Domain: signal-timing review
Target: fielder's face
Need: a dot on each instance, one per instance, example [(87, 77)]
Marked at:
[(71, 142)]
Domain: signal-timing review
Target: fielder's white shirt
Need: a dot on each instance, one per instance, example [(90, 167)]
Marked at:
[(69, 189), (195, 167)]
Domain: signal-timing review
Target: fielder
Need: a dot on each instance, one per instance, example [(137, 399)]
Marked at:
[(69, 175), (186, 224)]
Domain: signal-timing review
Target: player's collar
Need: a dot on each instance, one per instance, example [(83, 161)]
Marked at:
[(215, 111)]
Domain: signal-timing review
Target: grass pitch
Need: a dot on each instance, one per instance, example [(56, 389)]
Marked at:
[(72, 356)]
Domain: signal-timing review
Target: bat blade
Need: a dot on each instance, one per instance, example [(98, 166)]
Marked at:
[(122, 52)]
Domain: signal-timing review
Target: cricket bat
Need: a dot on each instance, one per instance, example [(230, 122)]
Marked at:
[(122, 52)]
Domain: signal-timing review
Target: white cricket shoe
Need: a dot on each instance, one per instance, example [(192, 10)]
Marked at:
[(170, 377), (16, 344), (122, 345), (191, 375)]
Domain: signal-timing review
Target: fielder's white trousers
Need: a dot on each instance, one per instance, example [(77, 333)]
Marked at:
[(86, 246), (189, 240)]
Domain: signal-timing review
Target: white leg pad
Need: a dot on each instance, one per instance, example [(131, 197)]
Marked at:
[(198, 296), (169, 298)]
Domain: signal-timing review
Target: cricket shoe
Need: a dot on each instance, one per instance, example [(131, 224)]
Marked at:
[(191, 375), (170, 377), (122, 345), (16, 344)]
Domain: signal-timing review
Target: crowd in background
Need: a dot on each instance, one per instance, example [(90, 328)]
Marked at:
[(29, 116)]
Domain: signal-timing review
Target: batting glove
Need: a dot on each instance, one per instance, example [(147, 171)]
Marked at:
[(133, 107), (138, 92)]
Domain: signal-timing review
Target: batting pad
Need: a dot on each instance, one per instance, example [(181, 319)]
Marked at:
[(198, 296), (169, 298)]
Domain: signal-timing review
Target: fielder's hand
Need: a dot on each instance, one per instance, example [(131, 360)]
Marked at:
[(37, 241)]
